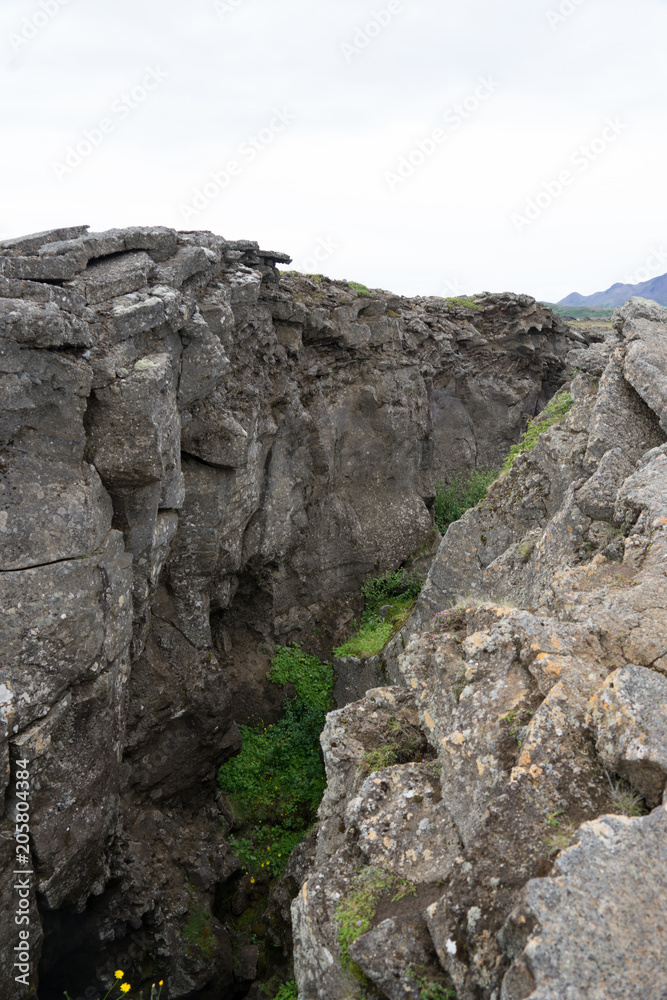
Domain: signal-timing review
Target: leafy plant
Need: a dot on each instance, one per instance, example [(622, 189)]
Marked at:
[(276, 783), (453, 499), (384, 589), (430, 990), (312, 679), (288, 991), (552, 414)]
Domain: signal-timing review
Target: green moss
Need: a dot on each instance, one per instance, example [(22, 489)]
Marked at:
[(356, 912), (198, 931), (371, 637), (463, 301), (552, 414), (359, 288), (453, 499)]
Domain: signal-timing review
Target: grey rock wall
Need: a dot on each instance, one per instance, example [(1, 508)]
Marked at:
[(536, 659), (198, 458)]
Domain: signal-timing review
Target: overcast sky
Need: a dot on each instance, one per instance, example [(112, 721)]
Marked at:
[(424, 146)]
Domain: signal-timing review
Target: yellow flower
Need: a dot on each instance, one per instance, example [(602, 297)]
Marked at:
[(252, 880), (119, 974), (125, 988)]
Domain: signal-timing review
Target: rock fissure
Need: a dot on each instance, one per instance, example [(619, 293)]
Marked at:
[(203, 459)]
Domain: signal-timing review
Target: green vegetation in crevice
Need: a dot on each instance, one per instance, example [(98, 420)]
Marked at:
[(276, 783), (453, 499), (430, 989), (198, 931), (356, 912), (288, 991), (552, 414), (401, 744), (388, 600), (625, 798)]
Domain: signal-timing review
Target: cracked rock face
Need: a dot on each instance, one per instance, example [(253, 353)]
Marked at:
[(541, 693), (200, 457), (600, 933)]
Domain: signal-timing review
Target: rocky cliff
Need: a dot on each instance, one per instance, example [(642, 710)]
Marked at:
[(200, 457), (519, 850)]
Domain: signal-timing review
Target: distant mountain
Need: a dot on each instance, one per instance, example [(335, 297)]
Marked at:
[(655, 288)]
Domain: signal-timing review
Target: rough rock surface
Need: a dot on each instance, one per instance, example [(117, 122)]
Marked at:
[(200, 457), (536, 658)]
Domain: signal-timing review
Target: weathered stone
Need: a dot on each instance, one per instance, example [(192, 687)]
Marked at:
[(61, 623), (179, 727), (59, 268), (109, 278), (203, 362), (134, 430), (629, 715), (42, 324), (596, 928), (75, 748), (50, 511), (395, 956), (31, 244), (403, 822)]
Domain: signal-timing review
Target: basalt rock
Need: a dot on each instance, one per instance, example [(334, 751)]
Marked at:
[(535, 659), (201, 457)]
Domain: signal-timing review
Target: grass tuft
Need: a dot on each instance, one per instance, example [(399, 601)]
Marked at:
[(552, 414), (359, 288), (453, 499), (396, 592), (356, 912)]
